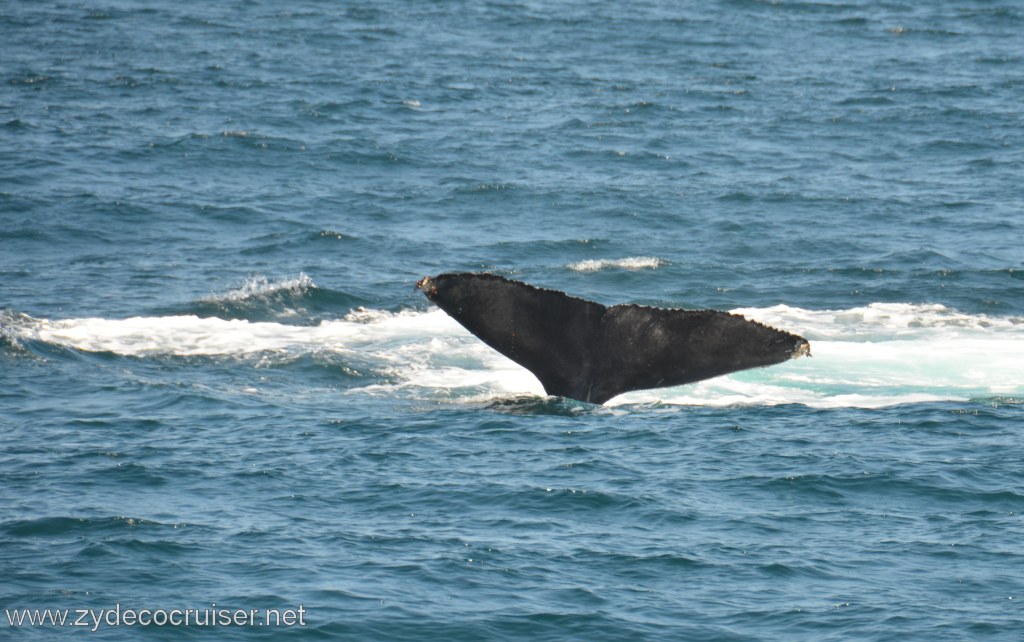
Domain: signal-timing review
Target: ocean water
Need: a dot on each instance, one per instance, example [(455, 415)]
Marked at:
[(219, 390)]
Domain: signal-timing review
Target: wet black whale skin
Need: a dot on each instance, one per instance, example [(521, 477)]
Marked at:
[(587, 351)]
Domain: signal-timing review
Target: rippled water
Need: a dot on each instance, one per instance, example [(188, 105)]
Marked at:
[(218, 385)]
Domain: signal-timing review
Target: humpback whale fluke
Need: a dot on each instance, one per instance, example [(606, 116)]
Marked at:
[(586, 351)]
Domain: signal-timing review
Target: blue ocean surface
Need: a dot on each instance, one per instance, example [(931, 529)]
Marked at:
[(220, 392)]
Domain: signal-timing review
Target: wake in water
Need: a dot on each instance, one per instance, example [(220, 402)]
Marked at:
[(878, 355)]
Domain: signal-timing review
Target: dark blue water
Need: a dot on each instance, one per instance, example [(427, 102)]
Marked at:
[(218, 386)]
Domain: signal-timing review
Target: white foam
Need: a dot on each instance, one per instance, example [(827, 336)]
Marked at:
[(195, 336), (629, 263), (877, 355), (883, 321)]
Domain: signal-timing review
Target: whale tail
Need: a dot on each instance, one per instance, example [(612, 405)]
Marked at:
[(587, 351)]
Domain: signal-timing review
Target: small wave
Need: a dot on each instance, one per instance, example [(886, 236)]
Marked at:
[(630, 263), (12, 327), (534, 405), (64, 525), (334, 235), (296, 300), (261, 286)]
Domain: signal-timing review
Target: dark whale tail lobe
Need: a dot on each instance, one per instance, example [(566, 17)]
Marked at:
[(586, 351)]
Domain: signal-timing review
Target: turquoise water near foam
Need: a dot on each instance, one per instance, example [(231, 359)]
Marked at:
[(218, 386)]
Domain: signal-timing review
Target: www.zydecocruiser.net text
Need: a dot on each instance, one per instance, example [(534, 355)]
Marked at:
[(93, 618)]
